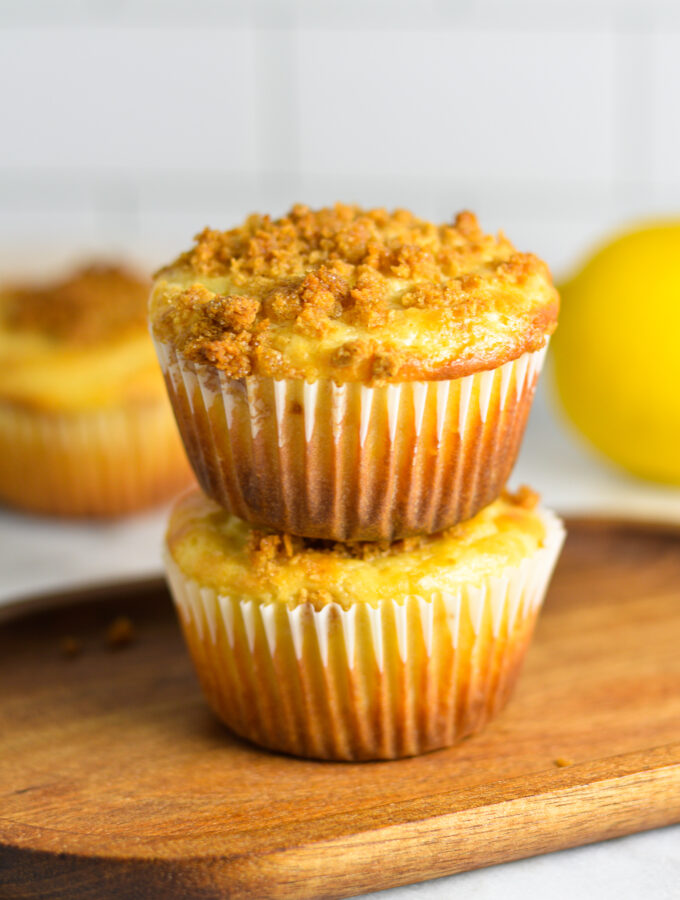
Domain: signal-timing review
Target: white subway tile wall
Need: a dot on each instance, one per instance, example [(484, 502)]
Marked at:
[(127, 126), (665, 109), (485, 105), (99, 100)]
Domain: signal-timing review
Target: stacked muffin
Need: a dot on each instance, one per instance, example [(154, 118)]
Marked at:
[(351, 387)]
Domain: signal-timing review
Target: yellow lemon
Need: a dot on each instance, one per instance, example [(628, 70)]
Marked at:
[(617, 351)]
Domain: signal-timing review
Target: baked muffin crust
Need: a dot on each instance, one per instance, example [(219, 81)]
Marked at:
[(220, 551), (355, 295)]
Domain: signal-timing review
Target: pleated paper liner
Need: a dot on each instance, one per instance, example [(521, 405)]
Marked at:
[(350, 462), (102, 463), (379, 680)]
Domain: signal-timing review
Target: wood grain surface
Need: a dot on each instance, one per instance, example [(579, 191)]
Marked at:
[(116, 781)]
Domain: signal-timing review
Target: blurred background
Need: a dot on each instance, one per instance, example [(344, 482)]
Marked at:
[(128, 126)]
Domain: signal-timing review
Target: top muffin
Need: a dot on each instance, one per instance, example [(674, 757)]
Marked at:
[(354, 295)]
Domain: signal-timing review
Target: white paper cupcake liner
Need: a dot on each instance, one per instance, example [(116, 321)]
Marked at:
[(346, 461), (398, 678), (95, 463)]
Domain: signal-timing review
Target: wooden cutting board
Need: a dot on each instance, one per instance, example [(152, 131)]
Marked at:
[(117, 782)]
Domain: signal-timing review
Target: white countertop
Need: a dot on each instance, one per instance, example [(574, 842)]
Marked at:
[(39, 556), (638, 867)]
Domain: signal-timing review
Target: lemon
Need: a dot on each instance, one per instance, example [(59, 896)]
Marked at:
[(617, 351)]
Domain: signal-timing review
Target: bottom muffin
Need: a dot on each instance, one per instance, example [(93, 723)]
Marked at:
[(359, 651)]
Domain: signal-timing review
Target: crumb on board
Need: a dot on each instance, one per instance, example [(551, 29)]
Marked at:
[(562, 761), (120, 633), (70, 647)]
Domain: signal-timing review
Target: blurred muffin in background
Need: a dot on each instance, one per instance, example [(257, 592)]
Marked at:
[(85, 425)]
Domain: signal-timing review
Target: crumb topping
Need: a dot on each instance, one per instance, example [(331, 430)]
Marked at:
[(340, 280), (92, 304), (266, 551), (342, 238)]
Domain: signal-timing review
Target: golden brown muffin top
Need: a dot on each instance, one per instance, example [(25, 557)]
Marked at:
[(353, 294), (92, 304), (218, 550)]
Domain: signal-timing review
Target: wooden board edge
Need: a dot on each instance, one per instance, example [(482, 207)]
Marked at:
[(586, 803), (576, 812), (95, 593)]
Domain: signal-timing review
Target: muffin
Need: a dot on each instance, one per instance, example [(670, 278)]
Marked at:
[(365, 650), (352, 375), (85, 424)]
